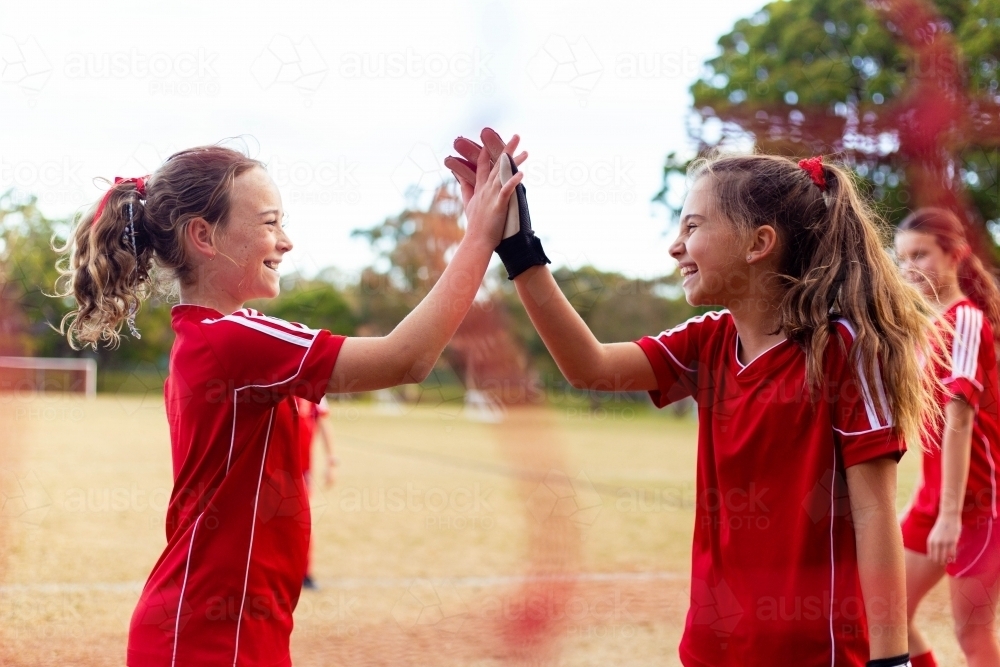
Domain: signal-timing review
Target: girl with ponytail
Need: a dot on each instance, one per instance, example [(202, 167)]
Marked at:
[(808, 389), (951, 525), (210, 221)]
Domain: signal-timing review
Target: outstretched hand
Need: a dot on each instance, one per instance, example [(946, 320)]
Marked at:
[(466, 167), (486, 198)]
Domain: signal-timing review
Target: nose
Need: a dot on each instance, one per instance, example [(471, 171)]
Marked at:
[(284, 241), (677, 248)]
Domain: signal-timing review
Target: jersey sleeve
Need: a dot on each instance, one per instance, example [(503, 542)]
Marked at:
[(272, 359), (968, 354), (673, 355), (863, 432)]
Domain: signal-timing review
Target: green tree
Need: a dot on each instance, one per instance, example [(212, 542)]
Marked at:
[(314, 302), (907, 92)]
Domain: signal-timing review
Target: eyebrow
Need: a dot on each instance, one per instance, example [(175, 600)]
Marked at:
[(269, 211), (692, 215)]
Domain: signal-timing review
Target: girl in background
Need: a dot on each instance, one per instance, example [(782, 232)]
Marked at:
[(951, 525), (312, 421)]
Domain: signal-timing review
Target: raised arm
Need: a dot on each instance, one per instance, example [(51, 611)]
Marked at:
[(409, 353), (583, 360)]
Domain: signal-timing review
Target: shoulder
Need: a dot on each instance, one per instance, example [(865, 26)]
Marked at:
[(712, 321), (252, 325), (969, 320), (845, 331)]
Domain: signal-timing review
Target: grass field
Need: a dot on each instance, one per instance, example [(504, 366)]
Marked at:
[(436, 530)]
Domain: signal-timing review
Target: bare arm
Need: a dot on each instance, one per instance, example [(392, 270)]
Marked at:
[(409, 353), (330, 461), (872, 490), (956, 450), (584, 361)]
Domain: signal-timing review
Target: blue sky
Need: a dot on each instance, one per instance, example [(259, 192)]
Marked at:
[(351, 105)]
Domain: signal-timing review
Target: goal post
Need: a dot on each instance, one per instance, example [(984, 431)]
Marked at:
[(41, 374)]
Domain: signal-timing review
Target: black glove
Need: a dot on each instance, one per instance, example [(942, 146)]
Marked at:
[(898, 661), (520, 249)]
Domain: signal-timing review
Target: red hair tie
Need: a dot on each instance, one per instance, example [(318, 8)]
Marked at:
[(140, 187), (814, 167)]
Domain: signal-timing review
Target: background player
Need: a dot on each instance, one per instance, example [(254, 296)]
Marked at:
[(950, 526), (312, 422), (223, 591), (797, 555)]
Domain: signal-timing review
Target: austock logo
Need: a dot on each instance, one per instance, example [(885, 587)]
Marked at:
[(23, 498), (561, 496), (716, 607), (424, 604), (296, 64), (23, 64)]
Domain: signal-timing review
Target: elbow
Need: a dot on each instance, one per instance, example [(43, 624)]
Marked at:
[(416, 372)]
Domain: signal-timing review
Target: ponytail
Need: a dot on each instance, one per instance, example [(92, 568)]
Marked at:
[(110, 264), (980, 285), (135, 234), (834, 264)]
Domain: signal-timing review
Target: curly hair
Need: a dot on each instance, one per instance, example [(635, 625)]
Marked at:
[(109, 278)]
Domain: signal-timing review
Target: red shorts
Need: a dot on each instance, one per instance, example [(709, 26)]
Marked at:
[(978, 553)]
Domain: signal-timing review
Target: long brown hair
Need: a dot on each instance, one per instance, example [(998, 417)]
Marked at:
[(107, 276), (975, 281), (835, 263)]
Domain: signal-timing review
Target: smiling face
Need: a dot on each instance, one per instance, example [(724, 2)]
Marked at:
[(924, 264), (252, 242), (709, 250)]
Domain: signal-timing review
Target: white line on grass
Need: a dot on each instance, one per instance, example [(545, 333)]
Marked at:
[(373, 582)]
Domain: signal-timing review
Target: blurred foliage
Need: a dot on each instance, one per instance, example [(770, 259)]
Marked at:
[(616, 309), (413, 249), (807, 77)]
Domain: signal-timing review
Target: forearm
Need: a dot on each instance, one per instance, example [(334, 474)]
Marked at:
[(420, 338), (325, 438), (881, 568), (569, 340), (956, 451)]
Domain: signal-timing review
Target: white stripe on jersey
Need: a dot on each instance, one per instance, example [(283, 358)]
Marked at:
[(180, 599), (253, 526), (715, 315), (873, 419), (253, 323), (965, 348), (277, 320), (833, 561)]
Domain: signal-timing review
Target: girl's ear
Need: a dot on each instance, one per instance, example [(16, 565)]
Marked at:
[(763, 243), (200, 236)]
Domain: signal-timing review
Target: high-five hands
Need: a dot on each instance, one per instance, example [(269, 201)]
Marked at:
[(487, 196), (519, 248)]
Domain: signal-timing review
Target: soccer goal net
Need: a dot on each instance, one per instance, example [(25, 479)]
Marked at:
[(44, 374)]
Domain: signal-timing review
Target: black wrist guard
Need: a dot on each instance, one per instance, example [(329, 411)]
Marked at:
[(898, 661), (520, 250)]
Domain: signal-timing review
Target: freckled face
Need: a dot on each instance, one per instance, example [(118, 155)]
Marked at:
[(924, 264), (707, 249), (252, 242)]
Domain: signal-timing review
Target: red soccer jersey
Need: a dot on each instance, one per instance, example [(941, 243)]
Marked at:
[(971, 376), (309, 414), (238, 521), (774, 573)]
